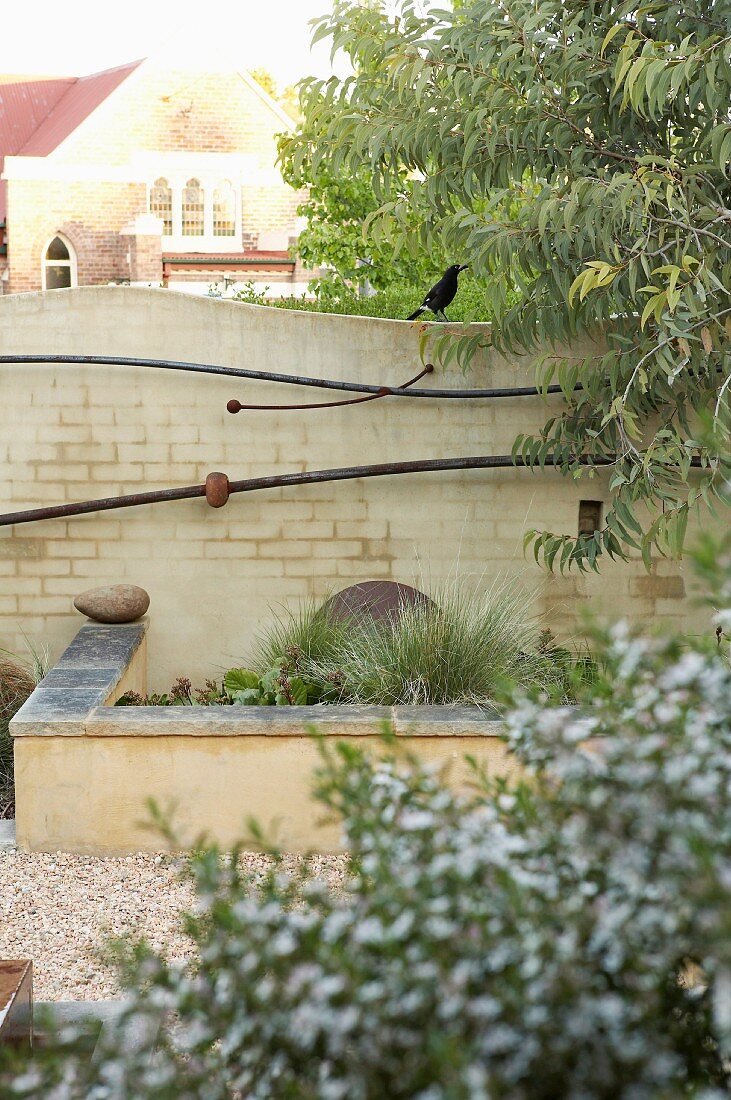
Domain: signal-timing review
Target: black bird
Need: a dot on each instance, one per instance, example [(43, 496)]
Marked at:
[(441, 294)]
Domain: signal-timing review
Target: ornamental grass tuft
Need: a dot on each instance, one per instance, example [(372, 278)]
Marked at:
[(18, 678), (459, 647), (305, 634)]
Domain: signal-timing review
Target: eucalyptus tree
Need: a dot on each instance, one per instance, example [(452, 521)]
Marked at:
[(579, 151)]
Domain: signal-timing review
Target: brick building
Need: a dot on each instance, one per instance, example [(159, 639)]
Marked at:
[(157, 172)]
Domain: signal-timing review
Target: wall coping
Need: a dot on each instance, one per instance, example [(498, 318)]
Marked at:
[(84, 678), (93, 294), (73, 701)]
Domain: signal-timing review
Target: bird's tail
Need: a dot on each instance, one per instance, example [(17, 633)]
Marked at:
[(417, 313)]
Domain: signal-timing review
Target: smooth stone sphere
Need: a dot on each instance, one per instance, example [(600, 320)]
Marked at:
[(113, 603)]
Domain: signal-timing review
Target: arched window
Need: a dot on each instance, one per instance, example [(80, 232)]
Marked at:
[(224, 210), (161, 204), (58, 268), (199, 213), (193, 208)]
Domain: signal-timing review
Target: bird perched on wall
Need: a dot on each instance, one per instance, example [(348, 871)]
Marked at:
[(441, 294)]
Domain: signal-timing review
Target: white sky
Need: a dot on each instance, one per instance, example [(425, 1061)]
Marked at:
[(76, 37)]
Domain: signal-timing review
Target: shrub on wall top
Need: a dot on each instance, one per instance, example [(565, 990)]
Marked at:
[(396, 302)]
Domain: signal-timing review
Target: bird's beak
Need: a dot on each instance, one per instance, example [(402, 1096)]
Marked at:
[(464, 267)]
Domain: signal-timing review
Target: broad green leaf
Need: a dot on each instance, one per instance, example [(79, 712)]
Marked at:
[(240, 679), (251, 697)]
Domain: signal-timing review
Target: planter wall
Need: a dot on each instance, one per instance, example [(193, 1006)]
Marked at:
[(84, 770)]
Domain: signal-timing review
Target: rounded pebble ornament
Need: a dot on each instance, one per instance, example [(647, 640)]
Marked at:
[(113, 603)]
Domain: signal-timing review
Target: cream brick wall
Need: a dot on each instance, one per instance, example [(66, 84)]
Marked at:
[(73, 433)]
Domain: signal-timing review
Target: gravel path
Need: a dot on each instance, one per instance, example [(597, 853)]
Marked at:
[(57, 909)]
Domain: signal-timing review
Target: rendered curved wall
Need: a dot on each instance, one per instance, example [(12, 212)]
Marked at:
[(72, 433)]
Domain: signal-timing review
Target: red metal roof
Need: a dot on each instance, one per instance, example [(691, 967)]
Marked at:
[(38, 112), (25, 101), (85, 94)]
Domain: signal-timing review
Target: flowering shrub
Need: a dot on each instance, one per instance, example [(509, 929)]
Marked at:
[(567, 937)]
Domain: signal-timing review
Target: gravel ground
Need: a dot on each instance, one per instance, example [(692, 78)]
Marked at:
[(57, 910)]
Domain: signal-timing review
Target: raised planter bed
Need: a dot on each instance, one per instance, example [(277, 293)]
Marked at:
[(84, 769)]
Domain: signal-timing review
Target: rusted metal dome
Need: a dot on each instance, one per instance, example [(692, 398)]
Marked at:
[(378, 600)]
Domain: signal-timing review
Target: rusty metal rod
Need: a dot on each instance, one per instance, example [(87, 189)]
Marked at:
[(235, 406), (275, 481), (286, 379)]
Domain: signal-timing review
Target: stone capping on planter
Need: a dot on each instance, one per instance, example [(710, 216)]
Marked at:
[(237, 721), (74, 700), (89, 674)]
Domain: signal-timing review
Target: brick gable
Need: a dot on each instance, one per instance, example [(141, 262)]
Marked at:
[(176, 111)]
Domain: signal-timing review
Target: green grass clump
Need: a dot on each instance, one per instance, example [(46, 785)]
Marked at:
[(18, 678), (460, 647), (306, 635)]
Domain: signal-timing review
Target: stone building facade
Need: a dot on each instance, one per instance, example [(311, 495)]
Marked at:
[(155, 173)]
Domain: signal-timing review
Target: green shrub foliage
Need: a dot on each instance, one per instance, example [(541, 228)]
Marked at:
[(280, 685), (568, 936), (395, 302), (335, 208), (580, 154)]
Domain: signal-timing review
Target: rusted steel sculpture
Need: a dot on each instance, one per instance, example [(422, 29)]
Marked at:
[(288, 379), (217, 488), (235, 406)]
